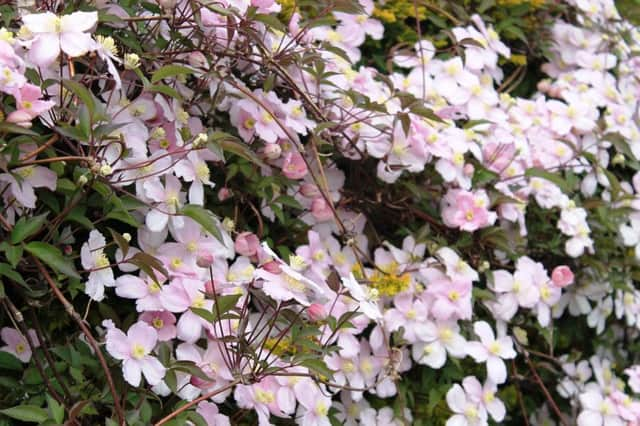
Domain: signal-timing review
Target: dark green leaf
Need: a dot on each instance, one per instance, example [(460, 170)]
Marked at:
[(26, 413), (25, 227), (170, 71), (205, 218), (53, 258)]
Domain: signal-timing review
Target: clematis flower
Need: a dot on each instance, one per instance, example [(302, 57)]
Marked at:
[(492, 351), (95, 260), (23, 180), (53, 34), (134, 350), (16, 343), (466, 411)]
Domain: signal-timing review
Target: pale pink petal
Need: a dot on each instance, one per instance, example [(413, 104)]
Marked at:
[(78, 21), (132, 371), (496, 370), (143, 334), (45, 49), (130, 287), (153, 370)]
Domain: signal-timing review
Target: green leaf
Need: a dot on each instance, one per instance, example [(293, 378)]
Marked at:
[(82, 93), (24, 228), (9, 362), (170, 71), (13, 254), (235, 146), (205, 218), (551, 177), (318, 366), (26, 413), (9, 272), (165, 90), (52, 257), (11, 128), (56, 410)]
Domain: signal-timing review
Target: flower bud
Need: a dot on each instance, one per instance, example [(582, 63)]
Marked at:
[(468, 169), (209, 287), (82, 180), (197, 60), (272, 151), (126, 236), (131, 61), (228, 224), (310, 190), (204, 259), (316, 312), (321, 210), (224, 193), (272, 266), (247, 244), (562, 276)]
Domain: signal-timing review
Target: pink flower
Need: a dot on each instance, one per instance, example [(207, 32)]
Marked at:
[(210, 413), (466, 210), (247, 244), (561, 276), (262, 397), (29, 178), (294, 166), (96, 262), (316, 312), (29, 105), (134, 350), (16, 344), (163, 321), (466, 411), (321, 210), (146, 291), (53, 33)]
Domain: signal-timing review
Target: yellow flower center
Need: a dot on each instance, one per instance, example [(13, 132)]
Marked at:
[(348, 367), (101, 260), (264, 397), (153, 287), (202, 171), (138, 351), (454, 295), (198, 302), (494, 348), (20, 348), (25, 172), (157, 323)]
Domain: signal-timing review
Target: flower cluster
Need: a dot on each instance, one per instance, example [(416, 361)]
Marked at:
[(302, 302)]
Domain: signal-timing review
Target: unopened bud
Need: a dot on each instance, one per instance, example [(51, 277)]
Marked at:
[(126, 236), (618, 159), (105, 170), (247, 244), (484, 266), (82, 180), (272, 151), (131, 61), (316, 312), (204, 259), (224, 194)]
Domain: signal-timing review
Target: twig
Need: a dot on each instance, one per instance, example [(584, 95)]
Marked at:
[(92, 341), (547, 395), (196, 401)]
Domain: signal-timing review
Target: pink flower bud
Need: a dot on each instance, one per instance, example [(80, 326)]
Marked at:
[(209, 287), (204, 259), (197, 59), (68, 250), (199, 383), (468, 169), (316, 312), (544, 86), (321, 210), (562, 276), (272, 151), (272, 266), (224, 193), (309, 190), (294, 166), (247, 244)]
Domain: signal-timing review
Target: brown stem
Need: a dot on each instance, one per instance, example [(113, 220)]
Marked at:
[(544, 389), (196, 401), (17, 315), (47, 354), (53, 139), (92, 341)]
